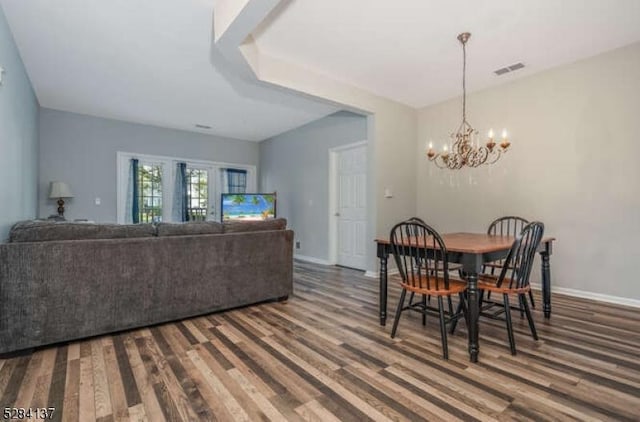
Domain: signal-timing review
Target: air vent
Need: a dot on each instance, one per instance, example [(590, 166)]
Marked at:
[(203, 126), (508, 69)]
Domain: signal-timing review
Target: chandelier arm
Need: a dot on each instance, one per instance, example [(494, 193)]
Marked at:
[(435, 160), (477, 156), (495, 153), (462, 126)]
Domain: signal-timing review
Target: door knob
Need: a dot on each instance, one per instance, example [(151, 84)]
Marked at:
[(337, 214)]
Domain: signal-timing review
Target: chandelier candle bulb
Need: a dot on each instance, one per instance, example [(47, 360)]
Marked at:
[(430, 152), (505, 142)]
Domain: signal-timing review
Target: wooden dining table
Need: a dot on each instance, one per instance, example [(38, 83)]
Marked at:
[(472, 251)]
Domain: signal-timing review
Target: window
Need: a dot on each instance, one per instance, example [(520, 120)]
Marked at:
[(236, 180), (197, 194), (157, 177), (149, 193)]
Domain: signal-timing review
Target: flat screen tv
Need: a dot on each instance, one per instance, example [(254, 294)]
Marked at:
[(247, 206)]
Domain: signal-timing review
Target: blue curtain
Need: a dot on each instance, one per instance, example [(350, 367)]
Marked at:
[(236, 181), (181, 194), (135, 192)]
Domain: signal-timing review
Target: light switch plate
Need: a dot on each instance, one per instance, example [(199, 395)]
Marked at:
[(1, 72)]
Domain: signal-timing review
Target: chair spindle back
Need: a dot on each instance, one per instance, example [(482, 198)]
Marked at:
[(419, 251), (507, 226), (519, 261)]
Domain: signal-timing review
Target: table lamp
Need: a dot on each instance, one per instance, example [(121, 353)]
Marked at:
[(60, 190)]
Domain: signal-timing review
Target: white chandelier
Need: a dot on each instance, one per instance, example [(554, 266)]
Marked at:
[(463, 150)]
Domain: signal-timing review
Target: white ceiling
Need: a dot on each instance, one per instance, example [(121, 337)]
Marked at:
[(146, 61), (407, 49), (150, 61)]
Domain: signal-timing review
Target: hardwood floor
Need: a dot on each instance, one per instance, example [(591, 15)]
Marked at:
[(321, 356)]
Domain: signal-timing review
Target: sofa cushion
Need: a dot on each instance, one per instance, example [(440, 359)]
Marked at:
[(255, 225), (190, 228), (42, 231)]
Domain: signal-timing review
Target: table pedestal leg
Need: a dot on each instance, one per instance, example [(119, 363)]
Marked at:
[(383, 291), (546, 284), (474, 311)]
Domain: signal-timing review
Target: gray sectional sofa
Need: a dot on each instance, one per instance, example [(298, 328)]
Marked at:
[(65, 281)]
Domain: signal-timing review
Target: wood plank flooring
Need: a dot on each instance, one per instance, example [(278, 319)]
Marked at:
[(322, 356)]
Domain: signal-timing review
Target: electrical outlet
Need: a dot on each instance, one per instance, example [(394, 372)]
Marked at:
[(298, 244), (98, 201)]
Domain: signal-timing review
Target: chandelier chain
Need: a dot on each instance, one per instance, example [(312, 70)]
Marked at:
[(464, 83)]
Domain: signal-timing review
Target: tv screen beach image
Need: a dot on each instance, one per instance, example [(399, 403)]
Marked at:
[(248, 206)]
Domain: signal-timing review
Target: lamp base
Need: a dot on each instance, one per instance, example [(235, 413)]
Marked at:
[(61, 207)]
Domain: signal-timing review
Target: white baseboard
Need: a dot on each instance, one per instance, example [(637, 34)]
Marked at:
[(591, 295), (311, 259)]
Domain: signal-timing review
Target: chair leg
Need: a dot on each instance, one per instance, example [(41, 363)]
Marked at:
[(461, 308), (454, 322), (522, 299), (398, 312), (411, 298), (533, 304), (532, 326), (451, 314), (424, 309), (443, 329), (465, 310), (507, 314)]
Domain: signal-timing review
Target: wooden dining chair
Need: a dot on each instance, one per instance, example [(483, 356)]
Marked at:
[(452, 267), (506, 226), (513, 280), (419, 251)]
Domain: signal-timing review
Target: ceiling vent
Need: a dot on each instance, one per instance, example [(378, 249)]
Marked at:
[(203, 126), (508, 69)]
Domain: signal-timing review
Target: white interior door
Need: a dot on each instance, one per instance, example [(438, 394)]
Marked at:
[(351, 204)]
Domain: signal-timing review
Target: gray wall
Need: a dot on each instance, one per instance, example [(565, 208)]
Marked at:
[(81, 150), (18, 137), (573, 164), (296, 165)]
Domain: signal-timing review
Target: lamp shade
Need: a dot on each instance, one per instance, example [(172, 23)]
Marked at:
[(60, 190)]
